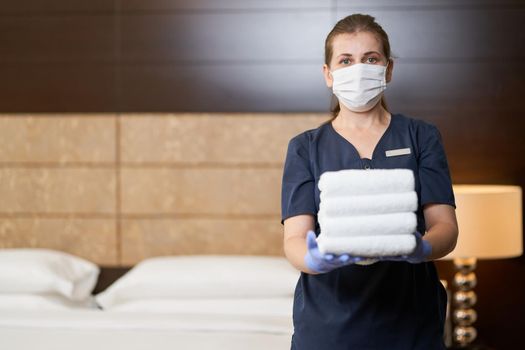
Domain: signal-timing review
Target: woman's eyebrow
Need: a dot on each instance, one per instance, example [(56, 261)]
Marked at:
[(365, 54)]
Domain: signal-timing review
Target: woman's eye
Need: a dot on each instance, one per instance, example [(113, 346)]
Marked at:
[(345, 61), (371, 60)]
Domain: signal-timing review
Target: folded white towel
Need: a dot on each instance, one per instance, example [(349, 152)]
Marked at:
[(368, 225), (360, 181), (368, 204), (368, 246)]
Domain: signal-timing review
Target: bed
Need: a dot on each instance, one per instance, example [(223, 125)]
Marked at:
[(169, 302), (92, 329)]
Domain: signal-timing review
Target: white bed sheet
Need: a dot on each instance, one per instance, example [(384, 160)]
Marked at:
[(240, 306), (97, 329)]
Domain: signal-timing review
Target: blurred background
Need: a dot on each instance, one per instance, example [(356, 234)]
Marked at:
[(458, 64)]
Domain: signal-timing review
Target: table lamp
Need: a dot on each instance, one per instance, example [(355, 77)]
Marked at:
[(490, 227)]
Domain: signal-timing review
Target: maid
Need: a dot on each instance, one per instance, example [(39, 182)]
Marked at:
[(396, 303)]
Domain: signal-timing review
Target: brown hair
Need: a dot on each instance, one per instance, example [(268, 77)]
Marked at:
[(353, 24)]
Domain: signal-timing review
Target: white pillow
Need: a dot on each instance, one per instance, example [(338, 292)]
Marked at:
[(40, 270), (203, 276), (43, 302)]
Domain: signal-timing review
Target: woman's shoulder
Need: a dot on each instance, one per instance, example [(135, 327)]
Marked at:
[(419, 129), (307, 137), (414, 123), (424, 134)]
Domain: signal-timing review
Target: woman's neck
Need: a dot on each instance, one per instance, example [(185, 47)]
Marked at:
[(346, 119)]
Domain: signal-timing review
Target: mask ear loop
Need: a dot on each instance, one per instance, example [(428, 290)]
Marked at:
[(387, 63), (386, 70)]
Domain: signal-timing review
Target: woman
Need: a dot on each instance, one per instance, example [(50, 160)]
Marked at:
[(398, 302)]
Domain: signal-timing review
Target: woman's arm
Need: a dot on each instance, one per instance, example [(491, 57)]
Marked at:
[(295, 229), (442, 229)]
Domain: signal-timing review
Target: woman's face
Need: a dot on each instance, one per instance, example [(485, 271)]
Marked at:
[(359, 47)]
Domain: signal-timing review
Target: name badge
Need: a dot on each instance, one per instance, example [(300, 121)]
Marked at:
[(397, 152)]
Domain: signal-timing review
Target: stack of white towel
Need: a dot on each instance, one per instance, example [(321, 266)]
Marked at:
[(367, 213)]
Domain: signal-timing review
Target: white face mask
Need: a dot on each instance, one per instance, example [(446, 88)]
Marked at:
[(360, 86)]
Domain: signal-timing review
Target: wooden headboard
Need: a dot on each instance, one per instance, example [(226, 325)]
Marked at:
[(118, 188)]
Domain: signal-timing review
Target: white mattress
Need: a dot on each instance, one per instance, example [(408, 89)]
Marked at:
[(177, 329)]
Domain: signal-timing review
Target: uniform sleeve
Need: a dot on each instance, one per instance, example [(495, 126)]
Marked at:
[(297, 194), (434, 174)]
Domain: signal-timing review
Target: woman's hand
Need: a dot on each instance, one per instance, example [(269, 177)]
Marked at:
[(321, 263), (420, 254)]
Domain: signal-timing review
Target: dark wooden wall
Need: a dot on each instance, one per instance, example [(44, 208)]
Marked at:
[(459, 65)]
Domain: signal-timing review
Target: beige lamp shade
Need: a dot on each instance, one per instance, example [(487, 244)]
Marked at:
[(489, 222)]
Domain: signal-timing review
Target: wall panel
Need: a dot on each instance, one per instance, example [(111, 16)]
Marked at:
[(222, 88), (57, 38), (214, 38), (57, 87), (94, 239), (38, 7), (143, 238)]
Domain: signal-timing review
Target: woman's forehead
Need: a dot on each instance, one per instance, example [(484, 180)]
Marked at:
[(356, 44)]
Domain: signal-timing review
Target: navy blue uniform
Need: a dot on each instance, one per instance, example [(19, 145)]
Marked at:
[(388, 305)]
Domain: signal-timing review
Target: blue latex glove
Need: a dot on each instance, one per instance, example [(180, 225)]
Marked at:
[(321, 263), (420, 254)]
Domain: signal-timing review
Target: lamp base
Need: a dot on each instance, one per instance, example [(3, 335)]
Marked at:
[(472, 347), (464, 299)]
